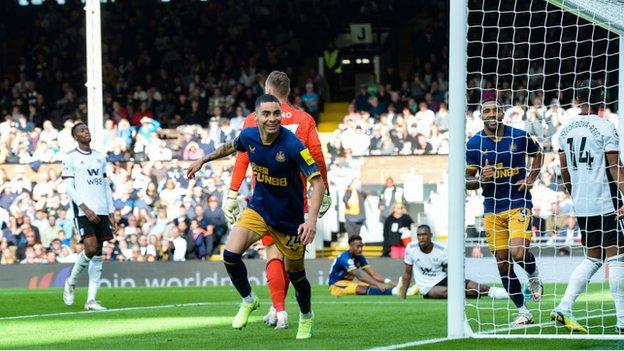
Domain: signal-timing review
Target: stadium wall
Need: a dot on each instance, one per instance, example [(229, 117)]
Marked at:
[(201, 273)]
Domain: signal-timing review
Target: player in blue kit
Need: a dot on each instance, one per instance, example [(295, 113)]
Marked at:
[(277, 158), (499, 153), (352, 264)]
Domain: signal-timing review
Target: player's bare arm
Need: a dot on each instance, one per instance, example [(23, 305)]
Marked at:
[(536, 166), (222, 151), (407, 277), (378, 277), (307, 230), (565, 174), (616, 169), (366, 278)]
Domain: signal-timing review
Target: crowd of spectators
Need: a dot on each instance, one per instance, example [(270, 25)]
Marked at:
[(160, 215), (382, 120), (153, 75), (166, 98)]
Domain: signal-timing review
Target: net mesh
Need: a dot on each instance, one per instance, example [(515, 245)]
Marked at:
[(530, 55)]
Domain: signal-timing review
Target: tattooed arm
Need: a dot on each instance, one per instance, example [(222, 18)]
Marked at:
[(222, 151)]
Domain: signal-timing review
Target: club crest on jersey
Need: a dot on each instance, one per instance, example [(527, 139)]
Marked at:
[(280, 157), (524, 213), (252, 148), (513, 147)]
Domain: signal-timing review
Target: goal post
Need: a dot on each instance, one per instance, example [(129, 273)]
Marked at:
[(456, 169), (95, 104), (529, 55)]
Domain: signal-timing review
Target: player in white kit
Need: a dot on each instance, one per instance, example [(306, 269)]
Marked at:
[(428, 261), (593, 174), (84, 176)]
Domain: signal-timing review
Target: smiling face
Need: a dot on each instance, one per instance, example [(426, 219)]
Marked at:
[(492, 115), (269, 117)]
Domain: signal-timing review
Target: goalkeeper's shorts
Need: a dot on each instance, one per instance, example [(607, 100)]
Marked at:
[(267, 239), (504, 226)]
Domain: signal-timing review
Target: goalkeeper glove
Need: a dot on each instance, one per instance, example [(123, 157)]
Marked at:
[(326, 204), (230, 207)]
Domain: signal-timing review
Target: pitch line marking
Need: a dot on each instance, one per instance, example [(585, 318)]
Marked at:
[(412, 343), (490, 334), (192, 304)]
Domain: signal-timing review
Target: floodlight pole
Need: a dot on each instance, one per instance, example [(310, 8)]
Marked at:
[(456, 167), (95, 105)]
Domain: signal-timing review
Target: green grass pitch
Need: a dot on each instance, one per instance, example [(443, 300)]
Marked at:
[(146, 318)]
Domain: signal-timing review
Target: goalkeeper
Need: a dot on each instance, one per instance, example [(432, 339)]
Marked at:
[(304, 127)]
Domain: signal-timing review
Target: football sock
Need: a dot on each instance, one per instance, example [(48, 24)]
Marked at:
[(578, 281), (528, 264), (303, 289), (79, 266), (376, 291), (616, 282), (237, 271), (95, 273), (512, 285), (277, 280)]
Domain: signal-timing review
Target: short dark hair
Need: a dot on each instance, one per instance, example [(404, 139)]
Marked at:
[(590, 92), (73, 129), (499, 104), (354, 238), (265, 98), (424, 227)]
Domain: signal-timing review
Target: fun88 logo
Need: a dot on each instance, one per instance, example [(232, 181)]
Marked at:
[(50, 279)]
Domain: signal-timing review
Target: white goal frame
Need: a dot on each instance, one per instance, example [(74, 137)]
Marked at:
[(596, 11)]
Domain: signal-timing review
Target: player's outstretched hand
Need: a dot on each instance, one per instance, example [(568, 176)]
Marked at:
[(487, 172), (620, 211), (194, 168), (91, 216), (307, 231)]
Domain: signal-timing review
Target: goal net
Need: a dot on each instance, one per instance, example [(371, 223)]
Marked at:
[(530, 57)]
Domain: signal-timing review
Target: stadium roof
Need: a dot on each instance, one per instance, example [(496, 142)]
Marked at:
[(608, 14)]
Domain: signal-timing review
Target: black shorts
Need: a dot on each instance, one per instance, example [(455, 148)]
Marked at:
[(601, 231), (103, 230), (443, 282)]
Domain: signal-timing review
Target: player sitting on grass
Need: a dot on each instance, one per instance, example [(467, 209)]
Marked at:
[(352, 264), (428, 262)]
